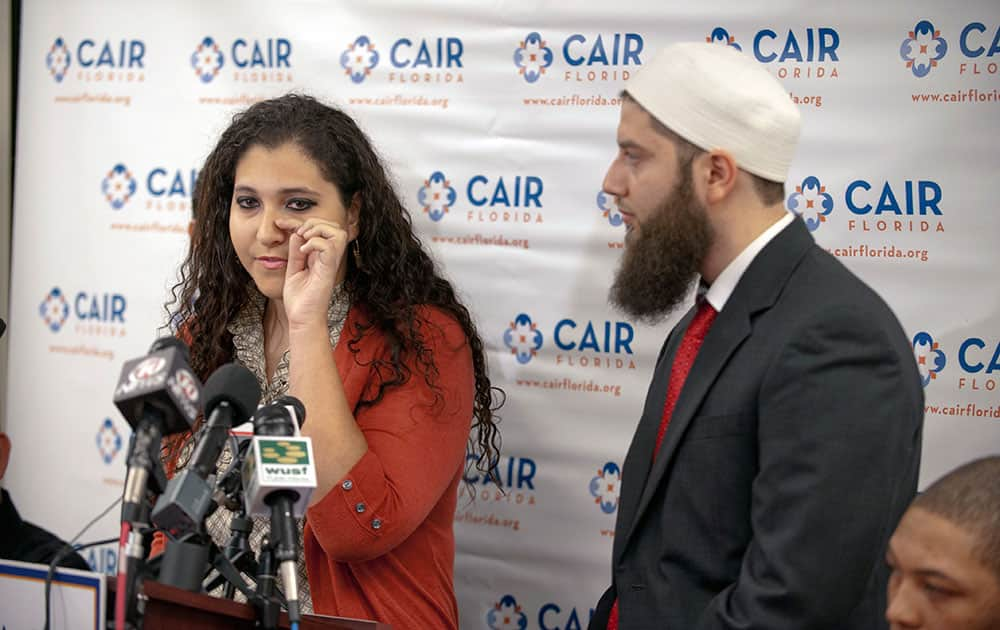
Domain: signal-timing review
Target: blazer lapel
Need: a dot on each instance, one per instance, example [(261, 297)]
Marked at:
[(635, 470)]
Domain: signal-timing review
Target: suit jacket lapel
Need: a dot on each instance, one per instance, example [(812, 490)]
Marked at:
[(757, 290), (635, 470)]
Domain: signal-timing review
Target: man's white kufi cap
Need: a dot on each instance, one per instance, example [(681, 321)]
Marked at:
[(718, 98)]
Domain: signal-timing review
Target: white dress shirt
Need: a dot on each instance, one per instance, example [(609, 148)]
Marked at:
[(720, 290)]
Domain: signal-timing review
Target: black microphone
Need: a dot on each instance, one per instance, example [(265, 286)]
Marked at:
[(296, 407), (229, 487), (158, 395), (279, 477), (231, 394)]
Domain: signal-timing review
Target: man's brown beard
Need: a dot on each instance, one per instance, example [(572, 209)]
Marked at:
[(663, 257)]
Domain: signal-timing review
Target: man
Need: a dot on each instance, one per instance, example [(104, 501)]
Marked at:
[(20, 540), (945, 554), (780, 439)]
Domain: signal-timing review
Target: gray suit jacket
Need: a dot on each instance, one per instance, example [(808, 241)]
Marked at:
[(792, 453)]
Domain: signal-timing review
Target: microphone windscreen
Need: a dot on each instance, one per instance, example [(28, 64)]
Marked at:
[(234, 384), (296, 404)]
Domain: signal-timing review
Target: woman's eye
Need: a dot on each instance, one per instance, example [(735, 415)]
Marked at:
[(246, 202), (300, 204), (936, 590)]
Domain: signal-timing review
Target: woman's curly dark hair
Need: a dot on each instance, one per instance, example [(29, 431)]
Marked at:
[(396, 276)]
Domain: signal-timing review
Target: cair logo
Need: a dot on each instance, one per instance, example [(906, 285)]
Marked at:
[(207, 60), (407, 60), (98, 313), (58, 60), (582, 344), (606, 487), (118, 186), (875, 206), (532, 57), (252, 60), (924, 48), (587, 58), (722, 37), (978, 360), (506, 614), (436, 196), (486, 198), (609, 209), (930, 358), (54, 310), (163, 188), (359, 59), (523, 338), (805, 53), (811, 202), (97, 60), (109, 441)]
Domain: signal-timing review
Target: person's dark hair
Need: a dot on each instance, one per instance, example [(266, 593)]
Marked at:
[(969, 497), (769, 192), (395, 279)]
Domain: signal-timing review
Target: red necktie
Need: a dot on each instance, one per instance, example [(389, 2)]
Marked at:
[(683, 360)]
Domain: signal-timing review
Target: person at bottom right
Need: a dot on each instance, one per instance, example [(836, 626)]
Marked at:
[(945, 554)]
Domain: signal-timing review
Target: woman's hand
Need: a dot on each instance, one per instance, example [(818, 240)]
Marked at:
[(317, 250)]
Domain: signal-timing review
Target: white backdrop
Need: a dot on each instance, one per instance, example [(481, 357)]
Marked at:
[(509, 111)]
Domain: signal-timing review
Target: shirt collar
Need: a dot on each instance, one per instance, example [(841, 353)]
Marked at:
[(719, 292), (247, 329)]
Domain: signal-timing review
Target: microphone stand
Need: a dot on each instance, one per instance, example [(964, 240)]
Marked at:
[(187, 561), (187, 558), (236, 558), (266, 602), (238, 554), (184, 561), (229, 493), (148, 481), (191, 562)]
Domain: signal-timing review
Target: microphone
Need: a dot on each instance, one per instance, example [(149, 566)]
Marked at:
[(278, 477), (231, 393), (158, 395), (229, 488), (280, 461), (297, 409)]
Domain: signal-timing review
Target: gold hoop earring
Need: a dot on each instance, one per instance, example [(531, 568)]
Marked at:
[(357, 254)]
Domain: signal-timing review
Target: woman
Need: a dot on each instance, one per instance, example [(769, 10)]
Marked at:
[(303, 267)]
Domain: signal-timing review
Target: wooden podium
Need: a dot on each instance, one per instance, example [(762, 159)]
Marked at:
[(169, 608)]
